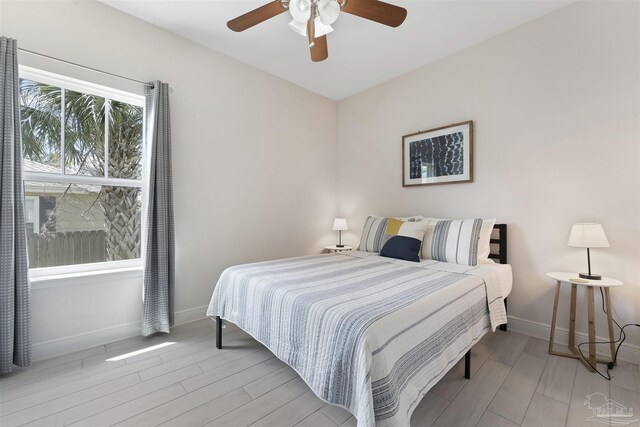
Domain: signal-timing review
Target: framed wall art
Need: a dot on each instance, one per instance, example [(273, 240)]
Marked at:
[(442, 155)]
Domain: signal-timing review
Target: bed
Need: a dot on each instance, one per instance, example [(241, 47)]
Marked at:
[(368, 333)]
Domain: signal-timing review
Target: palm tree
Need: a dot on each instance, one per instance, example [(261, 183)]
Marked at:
[(85, 117)]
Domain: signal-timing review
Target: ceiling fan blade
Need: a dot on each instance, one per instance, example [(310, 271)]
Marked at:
[(378, 11), (256, 16), (319, 51)]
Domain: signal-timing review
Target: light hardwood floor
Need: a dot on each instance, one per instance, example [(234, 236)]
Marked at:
[(186, 381)]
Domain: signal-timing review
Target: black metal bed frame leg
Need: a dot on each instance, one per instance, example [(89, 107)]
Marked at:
[(218, 332), (467, 365)]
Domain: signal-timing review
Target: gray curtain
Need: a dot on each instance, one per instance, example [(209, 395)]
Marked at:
[(159, 263), (15, 292)]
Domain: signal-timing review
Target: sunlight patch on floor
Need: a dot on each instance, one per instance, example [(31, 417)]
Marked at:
[(144, 350)]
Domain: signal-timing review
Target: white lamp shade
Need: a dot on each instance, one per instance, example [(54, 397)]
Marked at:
[(329, 10), (588, 235), (340, 224), (300, 10), (301, 28), (321, 29)]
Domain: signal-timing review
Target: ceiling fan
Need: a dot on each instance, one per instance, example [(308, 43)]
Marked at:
[(313, 18)]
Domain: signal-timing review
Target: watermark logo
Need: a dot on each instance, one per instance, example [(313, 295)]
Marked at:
[(608, 411)]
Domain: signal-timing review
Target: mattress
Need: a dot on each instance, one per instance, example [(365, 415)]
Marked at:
[(368, 333)]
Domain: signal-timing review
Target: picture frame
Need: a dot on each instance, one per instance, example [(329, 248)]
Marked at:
[(443, 155)]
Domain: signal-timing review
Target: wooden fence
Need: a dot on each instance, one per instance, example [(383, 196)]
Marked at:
[(72, 247)]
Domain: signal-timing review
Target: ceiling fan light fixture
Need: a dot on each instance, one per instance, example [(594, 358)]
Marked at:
[(321, 29), (298, 27), (329, 11), (300, 10)]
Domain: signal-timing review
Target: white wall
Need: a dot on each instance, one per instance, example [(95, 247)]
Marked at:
[(254, 160), (556, 109)]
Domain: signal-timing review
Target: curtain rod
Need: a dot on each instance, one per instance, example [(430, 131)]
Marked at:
[(88, 68)]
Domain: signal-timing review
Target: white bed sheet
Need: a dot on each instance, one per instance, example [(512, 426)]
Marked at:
[(503, 272)]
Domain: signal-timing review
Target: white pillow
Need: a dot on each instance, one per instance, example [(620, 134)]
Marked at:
[(484, 244), (414, 218), (373, 234), (458, 247)]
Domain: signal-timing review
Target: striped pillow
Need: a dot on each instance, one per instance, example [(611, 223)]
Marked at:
[(453, 240), (373, 234)]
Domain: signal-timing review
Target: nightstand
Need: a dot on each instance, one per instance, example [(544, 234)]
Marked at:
[(605, 283), (333, 249)]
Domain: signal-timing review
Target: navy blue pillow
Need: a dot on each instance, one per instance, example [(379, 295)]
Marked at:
[(402, 247)]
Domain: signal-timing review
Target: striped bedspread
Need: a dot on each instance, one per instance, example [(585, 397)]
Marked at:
[(368, 333)]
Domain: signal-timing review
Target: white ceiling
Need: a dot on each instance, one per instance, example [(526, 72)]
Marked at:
[(361, 53)]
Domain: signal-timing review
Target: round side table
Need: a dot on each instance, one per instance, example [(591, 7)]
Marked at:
[(573, 280)]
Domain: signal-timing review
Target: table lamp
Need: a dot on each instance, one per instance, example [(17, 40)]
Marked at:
[(340, 224), (588, 235)]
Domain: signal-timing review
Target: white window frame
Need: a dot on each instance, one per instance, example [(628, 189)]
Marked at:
[(62, 273), (36, 211)]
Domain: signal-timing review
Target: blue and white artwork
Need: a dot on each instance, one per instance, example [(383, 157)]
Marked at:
[(438, 156)]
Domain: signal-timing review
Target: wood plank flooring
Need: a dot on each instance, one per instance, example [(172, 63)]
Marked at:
[(182, 380)]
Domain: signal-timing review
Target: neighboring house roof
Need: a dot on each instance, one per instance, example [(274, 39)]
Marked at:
[(52, 187), (33, 166)]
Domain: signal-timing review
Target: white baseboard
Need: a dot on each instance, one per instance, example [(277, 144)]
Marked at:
[(191, 315), (70, 344), (628, 352), (73, 343)]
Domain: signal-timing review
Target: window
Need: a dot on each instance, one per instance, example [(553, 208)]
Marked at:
[(83, 172), (31, 209)]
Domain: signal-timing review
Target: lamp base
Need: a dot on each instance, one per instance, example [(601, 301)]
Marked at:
[(590, 276), (339, 246)]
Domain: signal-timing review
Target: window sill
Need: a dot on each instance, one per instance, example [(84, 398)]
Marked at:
[(81, 278)]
